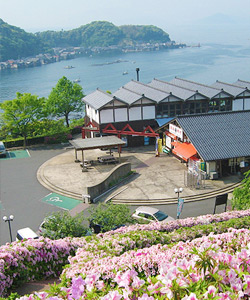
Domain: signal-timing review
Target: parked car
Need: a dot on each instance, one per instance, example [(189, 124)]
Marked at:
[(151, 214), (42, 226), (25, 233), (3, 151)]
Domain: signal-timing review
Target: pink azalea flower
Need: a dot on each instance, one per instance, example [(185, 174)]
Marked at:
[(146, 297), (113, 295)]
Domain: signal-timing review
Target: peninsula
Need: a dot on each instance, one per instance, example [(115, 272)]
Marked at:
[(20, 49)]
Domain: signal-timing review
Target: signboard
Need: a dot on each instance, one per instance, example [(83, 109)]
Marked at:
[(220, 200), (176, 131), (180, 207), (168, 142)]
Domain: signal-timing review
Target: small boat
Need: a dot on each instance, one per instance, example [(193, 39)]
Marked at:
[(77, 80), (68, 67), (125, 73)]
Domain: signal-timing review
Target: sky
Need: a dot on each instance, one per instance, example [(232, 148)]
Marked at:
[(188, 21)]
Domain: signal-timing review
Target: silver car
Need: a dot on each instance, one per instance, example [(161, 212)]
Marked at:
[(151, 214)]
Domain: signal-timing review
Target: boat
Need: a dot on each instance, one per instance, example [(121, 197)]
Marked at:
[(125, 73), (77, 80), (68, 67)]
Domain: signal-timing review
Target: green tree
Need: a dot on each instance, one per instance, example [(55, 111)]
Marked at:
[(21, 114), (65, 98), (62, 224), (110, 216), (241, 195)]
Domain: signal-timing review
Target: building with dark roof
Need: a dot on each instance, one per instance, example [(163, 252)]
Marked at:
[(140, 105), (220, 140)]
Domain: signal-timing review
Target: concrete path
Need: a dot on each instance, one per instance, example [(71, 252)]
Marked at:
[(154, 182)]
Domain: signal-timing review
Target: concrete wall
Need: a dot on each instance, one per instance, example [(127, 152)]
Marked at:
[(114, 176)]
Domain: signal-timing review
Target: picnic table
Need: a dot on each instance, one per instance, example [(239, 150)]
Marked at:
[(106, 159)]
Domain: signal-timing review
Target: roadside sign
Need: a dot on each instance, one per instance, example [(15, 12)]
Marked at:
[(61, 201), (180, 207), (220, 200)]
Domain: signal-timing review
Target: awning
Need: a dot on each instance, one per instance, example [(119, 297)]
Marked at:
[(175, 143), (184, 151), (163, 121)]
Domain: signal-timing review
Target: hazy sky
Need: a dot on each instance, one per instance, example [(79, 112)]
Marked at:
[(184, 20)]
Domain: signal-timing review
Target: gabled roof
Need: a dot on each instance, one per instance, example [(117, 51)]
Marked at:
[(146, 90), (180, 92), (218, 136), (205, 90), (243, 83), (230, 88), (97, 99), (127, 95)]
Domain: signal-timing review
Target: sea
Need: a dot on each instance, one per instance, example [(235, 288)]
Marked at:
[(110, 71)]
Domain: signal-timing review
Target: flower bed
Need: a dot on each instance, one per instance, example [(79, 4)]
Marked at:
[(211, 267), (36, 259), (188, 222)]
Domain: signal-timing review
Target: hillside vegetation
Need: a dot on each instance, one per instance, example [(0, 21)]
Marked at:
[(16, 43)]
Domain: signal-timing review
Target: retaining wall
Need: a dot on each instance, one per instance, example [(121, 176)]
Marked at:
[(116, 175)]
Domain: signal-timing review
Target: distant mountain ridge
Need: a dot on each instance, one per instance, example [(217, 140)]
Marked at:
[(17, 43)]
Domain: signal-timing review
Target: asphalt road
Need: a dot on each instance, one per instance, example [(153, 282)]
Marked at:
[(21, 193)]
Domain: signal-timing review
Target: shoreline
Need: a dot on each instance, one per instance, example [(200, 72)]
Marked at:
[(62, 54)]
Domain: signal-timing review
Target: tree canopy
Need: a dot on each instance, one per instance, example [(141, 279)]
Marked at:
[(109, 216), (241, 195), (62, 224), (66, 97), (20, 114)]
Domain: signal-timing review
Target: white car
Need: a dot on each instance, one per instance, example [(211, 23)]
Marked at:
[(151, 214), (25, 233)]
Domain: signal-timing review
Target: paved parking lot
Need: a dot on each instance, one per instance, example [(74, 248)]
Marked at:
[(24, 197)]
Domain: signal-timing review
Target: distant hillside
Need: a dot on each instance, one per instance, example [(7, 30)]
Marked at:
[(16, 43), (144, 34), (103, 34)]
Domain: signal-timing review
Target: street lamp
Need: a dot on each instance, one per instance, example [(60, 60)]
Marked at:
[(178, 191), (6, 219), (180, 201)]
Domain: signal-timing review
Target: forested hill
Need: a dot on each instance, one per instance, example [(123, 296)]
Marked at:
[(16, 43), (103, 34)]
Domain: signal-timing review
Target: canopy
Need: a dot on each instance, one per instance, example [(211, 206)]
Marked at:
[(184, 151), (97, 143)]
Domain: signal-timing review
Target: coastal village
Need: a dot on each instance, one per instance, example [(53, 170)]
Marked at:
[(74, 52)]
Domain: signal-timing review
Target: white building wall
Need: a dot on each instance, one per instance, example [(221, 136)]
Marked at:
[(148, 112), (135, 113), (92, 113), (121, 114), (247, 103), (106, 116), (238, 104)]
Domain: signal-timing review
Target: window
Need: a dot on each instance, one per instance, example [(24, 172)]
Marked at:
[(197, 107)]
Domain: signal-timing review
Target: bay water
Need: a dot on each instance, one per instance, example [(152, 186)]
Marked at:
[(204, 64)]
